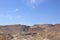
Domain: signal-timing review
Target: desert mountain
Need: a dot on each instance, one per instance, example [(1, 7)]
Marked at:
[(35, 32)]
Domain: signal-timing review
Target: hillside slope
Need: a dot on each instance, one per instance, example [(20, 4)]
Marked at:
[(35, 32)]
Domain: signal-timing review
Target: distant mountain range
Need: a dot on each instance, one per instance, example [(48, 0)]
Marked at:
[(34, 32)]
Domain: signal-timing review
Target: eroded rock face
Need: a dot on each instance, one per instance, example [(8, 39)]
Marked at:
[(4, 36), (35, 32)]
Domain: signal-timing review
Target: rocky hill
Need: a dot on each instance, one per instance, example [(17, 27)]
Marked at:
[(35, 32)]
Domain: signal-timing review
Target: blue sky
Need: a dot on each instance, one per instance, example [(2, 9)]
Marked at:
[(29, 12)]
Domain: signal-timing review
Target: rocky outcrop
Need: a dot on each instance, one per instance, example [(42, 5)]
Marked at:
[(5, 36), (35, 32)]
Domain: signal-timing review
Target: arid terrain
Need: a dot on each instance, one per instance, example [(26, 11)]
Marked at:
[(34, 32)]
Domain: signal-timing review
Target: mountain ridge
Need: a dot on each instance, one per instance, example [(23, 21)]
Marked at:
[(34, 32)]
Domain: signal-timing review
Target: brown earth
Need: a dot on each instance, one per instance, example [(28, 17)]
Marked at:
[(35, 32)]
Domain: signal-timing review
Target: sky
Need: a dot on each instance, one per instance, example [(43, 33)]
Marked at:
[(29, 12)]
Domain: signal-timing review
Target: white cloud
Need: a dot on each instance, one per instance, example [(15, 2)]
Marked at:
[(16, 10), (34, 3), (5, 17), (10, 17), (13, 10)]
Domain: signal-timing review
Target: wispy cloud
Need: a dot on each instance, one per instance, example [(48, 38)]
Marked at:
[(33, 3), (9, 17), (37, 1), (16, 10), (13, 10), (9, 14)]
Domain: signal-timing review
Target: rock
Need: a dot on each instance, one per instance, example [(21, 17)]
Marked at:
[(35, 32)]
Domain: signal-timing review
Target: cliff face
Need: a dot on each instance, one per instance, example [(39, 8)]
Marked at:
[(35, 32)]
